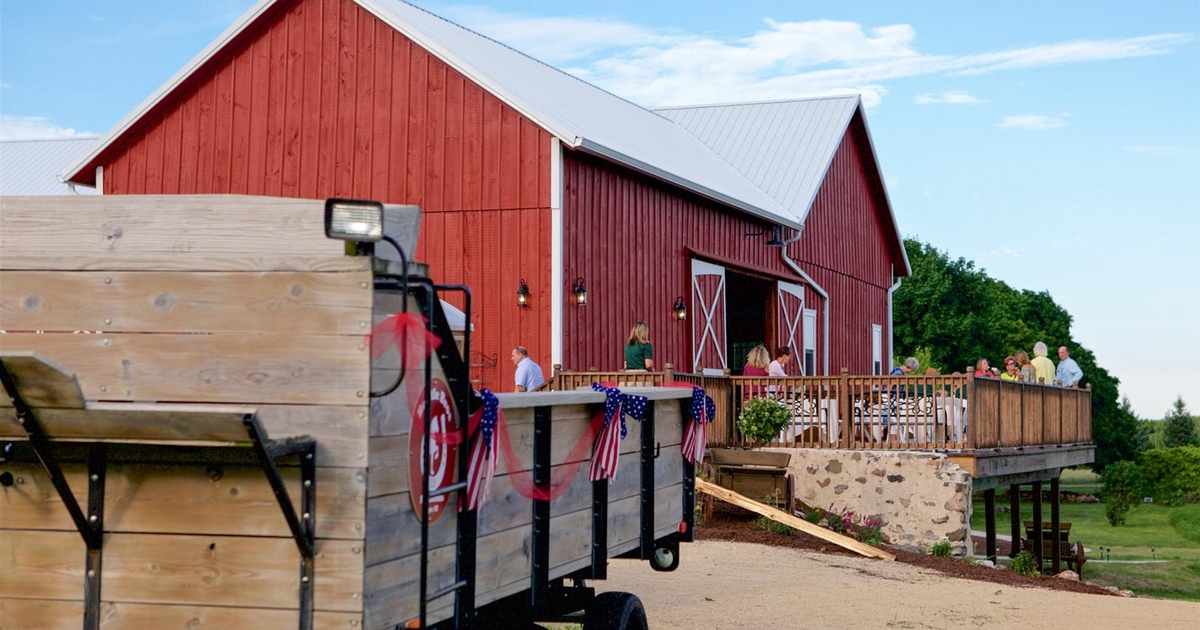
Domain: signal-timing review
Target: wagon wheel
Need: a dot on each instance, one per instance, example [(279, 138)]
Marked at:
[(616, 611)]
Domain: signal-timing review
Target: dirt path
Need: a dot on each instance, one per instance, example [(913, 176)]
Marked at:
[(724, 585)]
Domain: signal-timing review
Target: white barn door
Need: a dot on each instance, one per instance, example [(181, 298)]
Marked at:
[(708, 321), (789, 317)]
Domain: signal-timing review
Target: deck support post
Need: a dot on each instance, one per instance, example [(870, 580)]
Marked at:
[(989, 511), (1055, 524), (1014, 507), (1038, 535)]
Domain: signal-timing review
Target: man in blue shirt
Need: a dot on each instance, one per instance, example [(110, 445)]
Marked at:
[(1068, 372), (529, 373)]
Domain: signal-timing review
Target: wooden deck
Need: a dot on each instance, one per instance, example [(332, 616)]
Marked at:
[(993, 429)]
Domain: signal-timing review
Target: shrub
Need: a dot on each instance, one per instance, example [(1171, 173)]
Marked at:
[(1026, 564), (762, 419), (941, 549), (1172, 475), (1123, 489), (768, 525)]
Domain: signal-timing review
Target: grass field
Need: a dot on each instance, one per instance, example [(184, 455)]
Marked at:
[(1151, 532)]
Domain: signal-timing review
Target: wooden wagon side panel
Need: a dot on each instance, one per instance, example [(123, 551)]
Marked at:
[(208, 305)]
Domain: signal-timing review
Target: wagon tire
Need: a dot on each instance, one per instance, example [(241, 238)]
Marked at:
[(616, 611)]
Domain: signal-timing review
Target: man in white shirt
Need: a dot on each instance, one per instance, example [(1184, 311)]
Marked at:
[(781, 358), (529, 373), (1068, 372)]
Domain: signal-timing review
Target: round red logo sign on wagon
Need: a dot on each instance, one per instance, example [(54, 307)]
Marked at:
[(442, 466)]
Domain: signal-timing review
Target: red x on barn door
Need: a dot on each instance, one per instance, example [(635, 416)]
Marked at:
[(708, 324)]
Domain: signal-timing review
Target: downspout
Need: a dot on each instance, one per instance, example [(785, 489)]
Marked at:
[(891, 331), (816, 287)]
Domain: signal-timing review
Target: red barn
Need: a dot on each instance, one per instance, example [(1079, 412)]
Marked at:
[(768, 221)]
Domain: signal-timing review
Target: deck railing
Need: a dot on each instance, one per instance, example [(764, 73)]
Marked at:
[(883, 412)]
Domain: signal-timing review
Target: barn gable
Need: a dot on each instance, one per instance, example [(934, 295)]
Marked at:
[(581, 115)]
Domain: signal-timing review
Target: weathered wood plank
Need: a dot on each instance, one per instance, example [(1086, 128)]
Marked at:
[(339, 431), (220, 500), (791, 521), (129, 616), (228, 571), (209, 368), (41, 614), (168, 232), (40, 381), (41, 565), (300, 303)]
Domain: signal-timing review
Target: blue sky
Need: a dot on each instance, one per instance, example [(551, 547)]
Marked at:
[(1055, 144)]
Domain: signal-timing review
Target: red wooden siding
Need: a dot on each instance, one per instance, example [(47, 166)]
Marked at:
[(321, 99), (849, 247), (631, 237)]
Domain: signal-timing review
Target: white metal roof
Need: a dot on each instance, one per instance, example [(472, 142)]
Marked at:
[(783, 147), (27, 167), (580, 114)]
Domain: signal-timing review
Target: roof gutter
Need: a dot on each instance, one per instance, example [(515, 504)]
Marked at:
[(891, 330), (824, 298)]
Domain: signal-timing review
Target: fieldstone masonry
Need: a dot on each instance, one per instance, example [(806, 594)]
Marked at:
[(921, 497)]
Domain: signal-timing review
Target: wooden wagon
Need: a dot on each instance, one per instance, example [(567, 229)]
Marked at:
[(215, 420)]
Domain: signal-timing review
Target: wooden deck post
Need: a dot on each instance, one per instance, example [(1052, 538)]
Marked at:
[(846, 409), (1014, 507), (1038, 534), (989, 511), (1056, 555), (556, 379), (668, 373)]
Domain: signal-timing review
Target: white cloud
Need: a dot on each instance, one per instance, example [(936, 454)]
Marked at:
[(35, 128), (1166, 151), (953, 98), (1033, 122), (781, 60)]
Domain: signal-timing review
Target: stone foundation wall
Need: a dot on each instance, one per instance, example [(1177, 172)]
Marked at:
[(920, 497)]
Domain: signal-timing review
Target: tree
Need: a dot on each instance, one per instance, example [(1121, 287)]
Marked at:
[(1179, 429), (1123, 484), (957, 314)]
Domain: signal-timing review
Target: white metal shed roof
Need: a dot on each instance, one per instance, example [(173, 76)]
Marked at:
[(783, 147), (27, 167)]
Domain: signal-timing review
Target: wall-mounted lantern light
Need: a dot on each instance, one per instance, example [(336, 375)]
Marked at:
[(523, 294), (776, 239), (580, 292), (680, 308)]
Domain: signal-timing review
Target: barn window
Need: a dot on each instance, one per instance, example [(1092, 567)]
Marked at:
[(810, 342), (876, 349)]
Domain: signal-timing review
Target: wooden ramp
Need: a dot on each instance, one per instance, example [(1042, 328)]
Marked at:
[(790, 520)]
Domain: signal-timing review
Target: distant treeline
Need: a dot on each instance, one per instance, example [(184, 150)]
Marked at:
[(951, 314)]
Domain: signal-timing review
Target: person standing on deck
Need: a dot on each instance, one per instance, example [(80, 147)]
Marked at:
[(1043, 368), (782, 356), (639, 354), (1068, 372), (529, 373), (911, 364)]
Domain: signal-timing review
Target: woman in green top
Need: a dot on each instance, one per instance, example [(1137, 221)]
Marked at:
[(639, 354)]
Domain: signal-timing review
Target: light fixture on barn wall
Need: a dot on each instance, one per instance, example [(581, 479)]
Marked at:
[(580, 292), (680, 308), (523, 294), (775, 240)]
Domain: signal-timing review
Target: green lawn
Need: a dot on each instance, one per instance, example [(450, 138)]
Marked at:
[(1173, 533)]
